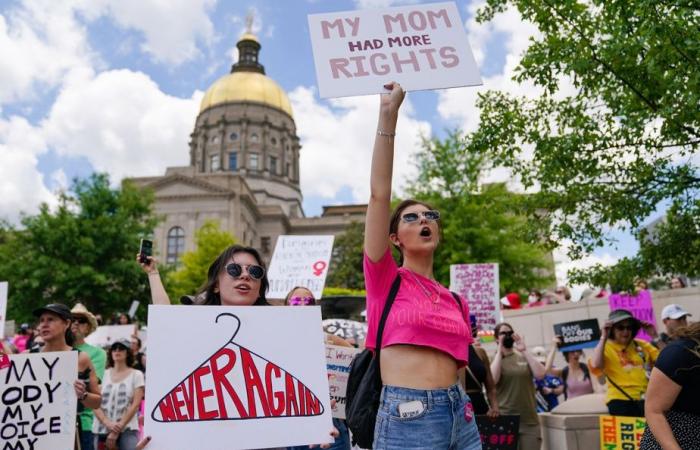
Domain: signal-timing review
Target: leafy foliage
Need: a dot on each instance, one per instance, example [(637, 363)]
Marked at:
[(479, 222), (191, 273), (616, 126), (83, 251), (346, 264)]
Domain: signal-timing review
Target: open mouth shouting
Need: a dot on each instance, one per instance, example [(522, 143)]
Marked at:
[(242, 288), (426, 232)]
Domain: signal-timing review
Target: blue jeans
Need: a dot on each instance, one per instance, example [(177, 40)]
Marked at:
[(87, 440), (442, 424), (342, 442), (127, 439)]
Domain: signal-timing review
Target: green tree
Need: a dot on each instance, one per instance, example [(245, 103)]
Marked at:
[(191, 273), (83, 250), (613, 133), (480, 222), (346, 264)]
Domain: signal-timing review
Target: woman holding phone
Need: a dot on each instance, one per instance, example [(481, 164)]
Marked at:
[(427, 335)]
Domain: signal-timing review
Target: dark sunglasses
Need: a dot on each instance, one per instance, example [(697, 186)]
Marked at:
[(624, 327), (118, 348), (306, 301), (81, 320), (255, 272), (432, 215), (506, 333)]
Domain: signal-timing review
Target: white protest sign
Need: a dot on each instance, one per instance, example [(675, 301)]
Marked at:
[(132, 309), (420, 46), (478, 284), (299, 261), (105, 335), (231, 383), (338, 361), (3, 306), (39, 404)]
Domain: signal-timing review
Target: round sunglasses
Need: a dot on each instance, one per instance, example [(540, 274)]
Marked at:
[(235, 270), (432, 215), (306, 301)]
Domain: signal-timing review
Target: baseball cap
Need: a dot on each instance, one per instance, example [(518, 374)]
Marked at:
[(539, 353), (59, 309), (121, 343), (673, 311)]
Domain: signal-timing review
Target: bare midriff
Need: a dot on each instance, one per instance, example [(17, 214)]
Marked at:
[(415, 367)]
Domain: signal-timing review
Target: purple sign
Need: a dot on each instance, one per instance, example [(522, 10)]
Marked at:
[(639, 305)]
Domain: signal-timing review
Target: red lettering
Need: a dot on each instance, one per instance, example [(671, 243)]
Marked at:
[(300, 396), (313, 406), (201, 395), (177, 403), (166, 409), (275, 398), (253, 383), (291, 396), (219, 376), (187, 389)]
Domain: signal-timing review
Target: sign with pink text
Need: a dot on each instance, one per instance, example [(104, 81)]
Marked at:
[(235, 383), (420, 46), (3, 306), (640, 305), (478, 284), (39, 404), (338, 361), (299, 261)]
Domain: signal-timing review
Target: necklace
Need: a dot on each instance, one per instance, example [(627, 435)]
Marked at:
[(432, 296)]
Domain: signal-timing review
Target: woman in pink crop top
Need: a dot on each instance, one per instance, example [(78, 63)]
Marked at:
[(426, 337)]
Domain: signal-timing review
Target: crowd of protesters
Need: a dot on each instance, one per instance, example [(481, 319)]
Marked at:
[(435, 375)]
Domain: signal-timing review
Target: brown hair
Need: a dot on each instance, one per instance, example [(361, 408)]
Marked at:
[(499, 326), (207, 294), (396, 217), (129, 356), (289, 294)]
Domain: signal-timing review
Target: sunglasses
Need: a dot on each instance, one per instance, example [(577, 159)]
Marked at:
[(506, 333), (306, 301), (81, 320), (432, 215), (235, 270), (119, 349), (624, 327)]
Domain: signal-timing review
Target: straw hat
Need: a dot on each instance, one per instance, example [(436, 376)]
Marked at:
[(80, 310)]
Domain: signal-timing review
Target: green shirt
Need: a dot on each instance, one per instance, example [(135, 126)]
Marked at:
[(515, 389), (99, 359)]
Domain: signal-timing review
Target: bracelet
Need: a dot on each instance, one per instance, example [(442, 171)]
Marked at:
[(84, 396), (384, 133), (153, 273)]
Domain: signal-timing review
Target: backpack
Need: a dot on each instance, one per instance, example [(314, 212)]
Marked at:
[(565, 377), (365, 382)]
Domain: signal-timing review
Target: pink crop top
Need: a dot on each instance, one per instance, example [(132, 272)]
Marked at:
[(414, 318)]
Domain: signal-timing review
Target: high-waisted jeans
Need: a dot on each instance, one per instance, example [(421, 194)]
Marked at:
[(447, 421)]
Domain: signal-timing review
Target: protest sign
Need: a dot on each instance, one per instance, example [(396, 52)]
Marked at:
[(350, 330), (105, 335), (620, 432), (640, 305), (478, 285), (232, 382), (500, 433), (39, 404), (3, 306), (420, 46), (132, 309), (338, 361), (299, 261), (577, 334)]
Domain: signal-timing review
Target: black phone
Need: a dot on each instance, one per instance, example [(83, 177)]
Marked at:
[(145, 250)]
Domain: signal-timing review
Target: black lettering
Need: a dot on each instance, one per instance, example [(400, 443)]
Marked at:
[(49, 366)]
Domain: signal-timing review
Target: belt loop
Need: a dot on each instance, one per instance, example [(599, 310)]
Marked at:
[(429, 396)]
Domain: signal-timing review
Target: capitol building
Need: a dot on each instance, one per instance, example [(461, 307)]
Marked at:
[(243, 169)]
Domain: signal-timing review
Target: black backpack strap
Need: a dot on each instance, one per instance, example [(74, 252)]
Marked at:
[(564, 378), (385, 313), (459, 302)]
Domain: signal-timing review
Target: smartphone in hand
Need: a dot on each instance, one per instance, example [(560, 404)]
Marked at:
[(145, 250)]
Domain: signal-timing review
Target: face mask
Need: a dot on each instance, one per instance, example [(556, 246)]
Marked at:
[(508, 342)]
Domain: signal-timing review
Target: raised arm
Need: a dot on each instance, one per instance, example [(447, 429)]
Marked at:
[(496, 363), (535, 366), (158, 294), (377, 220), (549, 364), (598, 359)]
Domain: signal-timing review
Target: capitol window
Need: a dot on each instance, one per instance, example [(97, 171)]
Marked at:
[(233, 161), (254, 137), (215, 163), (176, 244), (233, 136), (254, 161), (273, 141), (273, 165)]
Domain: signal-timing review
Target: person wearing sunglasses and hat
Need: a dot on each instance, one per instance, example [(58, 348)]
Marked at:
[(85, 323), (55, 321), (122, 392), (426, 338), (625, 361)]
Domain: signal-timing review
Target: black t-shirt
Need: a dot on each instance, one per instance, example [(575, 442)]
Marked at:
[(476, 365), (680, 362)]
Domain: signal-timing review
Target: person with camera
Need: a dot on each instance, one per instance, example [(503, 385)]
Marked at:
[(513, 368), (625, 361), (426, 336)]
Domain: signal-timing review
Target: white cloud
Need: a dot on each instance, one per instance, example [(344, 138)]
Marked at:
[(337, 143), (40, 41), (121, 122), (22, 187), (171, 29), (563, 264)]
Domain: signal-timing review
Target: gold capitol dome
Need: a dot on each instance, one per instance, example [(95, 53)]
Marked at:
[(247, 81)]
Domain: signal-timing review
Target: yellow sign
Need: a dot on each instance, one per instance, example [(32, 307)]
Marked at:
[(621, 433)]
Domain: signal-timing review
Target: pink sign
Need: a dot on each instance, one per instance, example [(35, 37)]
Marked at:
[(639, 305), (478, 284)]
